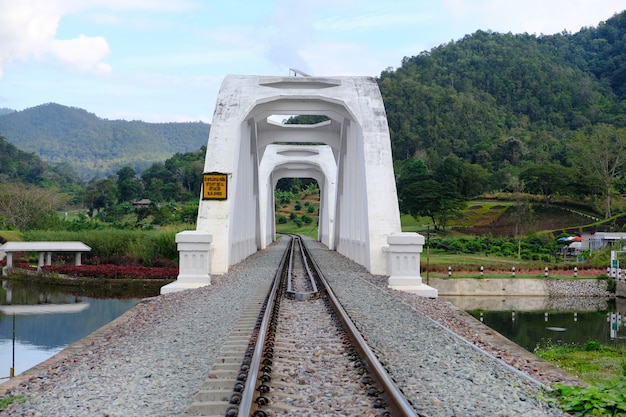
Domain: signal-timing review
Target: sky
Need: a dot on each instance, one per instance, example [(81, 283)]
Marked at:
[(164, 60)]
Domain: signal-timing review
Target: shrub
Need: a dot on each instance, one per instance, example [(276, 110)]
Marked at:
[(307, 219), (282, 197), (281, 219), (611, 284), (592, 345), (602, 400)]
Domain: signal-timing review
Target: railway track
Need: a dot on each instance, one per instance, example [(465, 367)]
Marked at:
[(301, 355)]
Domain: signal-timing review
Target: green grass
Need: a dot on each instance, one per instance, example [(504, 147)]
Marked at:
[(480, 213), (305, 230), (408, 223), (6, 401), (10, 235), (593, 363)]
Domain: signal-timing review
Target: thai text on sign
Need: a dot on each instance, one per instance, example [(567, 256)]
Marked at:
[(214, 186)]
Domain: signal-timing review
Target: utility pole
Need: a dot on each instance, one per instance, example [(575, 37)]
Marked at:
[(428, 254)]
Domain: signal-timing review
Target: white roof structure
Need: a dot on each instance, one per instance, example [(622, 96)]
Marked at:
[(44, 247), (609, 236), (45, 250)]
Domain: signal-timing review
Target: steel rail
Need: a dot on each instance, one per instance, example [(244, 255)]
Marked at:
[(396, 402), (247, 398), (294, 294), (305, 257)]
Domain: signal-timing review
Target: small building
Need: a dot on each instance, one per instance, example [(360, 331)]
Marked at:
[(571, 250), (143, 203), (601, 239)]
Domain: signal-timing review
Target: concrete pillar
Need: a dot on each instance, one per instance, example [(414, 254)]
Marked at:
[(40, 263), (403, 267), (194, 252), (78, 258), (9, 264), (48, 258)]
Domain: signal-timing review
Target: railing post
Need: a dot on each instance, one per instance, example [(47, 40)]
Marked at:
[(194, 254)]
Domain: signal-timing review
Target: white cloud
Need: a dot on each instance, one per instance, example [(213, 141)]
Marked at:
[(372, 19), (532, 16), (83, 53), (28, 30)]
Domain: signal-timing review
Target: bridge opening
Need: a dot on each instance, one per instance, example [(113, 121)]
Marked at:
[(297, 206)]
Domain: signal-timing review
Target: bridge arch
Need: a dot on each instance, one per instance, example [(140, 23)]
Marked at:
[(349, 155), (357, 136)]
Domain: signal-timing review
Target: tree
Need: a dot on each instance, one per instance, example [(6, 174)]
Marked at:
[(100, 194), (546, 179), (419, 194), (128, 185), (600, 152), (522, 208), (26, 207), (432, 199)]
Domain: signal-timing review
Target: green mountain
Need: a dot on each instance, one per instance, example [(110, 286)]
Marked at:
[(502, 100), (28, 168), (97, 147)]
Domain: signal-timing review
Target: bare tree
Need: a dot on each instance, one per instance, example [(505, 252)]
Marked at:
[(24, 207), (601, 153)]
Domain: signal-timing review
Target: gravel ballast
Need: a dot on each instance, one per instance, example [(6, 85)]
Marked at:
[(151, 361)]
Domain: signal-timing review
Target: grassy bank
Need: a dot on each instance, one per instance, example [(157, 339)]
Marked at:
[(593, 363), (601, 366)]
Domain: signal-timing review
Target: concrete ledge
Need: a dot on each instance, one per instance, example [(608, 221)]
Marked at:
[(182, 286), (422, 290), (490, 286)]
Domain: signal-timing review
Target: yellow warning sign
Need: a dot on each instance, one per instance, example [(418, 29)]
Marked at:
[(214, 186)]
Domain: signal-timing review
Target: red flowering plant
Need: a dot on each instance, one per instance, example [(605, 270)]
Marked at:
[(18, 264), (114, 271)]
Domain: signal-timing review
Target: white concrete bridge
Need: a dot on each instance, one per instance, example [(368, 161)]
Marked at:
[(349, 156)]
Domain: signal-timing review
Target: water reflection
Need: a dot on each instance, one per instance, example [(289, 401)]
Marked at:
[(36, 322), (530, 321)]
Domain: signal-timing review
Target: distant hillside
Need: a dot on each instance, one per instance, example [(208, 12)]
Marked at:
[(19, 166), (93, 146), (505, 100)]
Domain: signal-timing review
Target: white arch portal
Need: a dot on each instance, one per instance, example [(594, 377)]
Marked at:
[(284, 161), (349, 156)]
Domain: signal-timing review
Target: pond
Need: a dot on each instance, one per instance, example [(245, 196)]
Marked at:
[(38, 321), (533, 321)]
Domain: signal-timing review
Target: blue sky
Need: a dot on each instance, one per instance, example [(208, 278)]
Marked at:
[(164, 60)]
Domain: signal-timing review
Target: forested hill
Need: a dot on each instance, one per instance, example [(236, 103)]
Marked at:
[(94, 146), (28, 168), (503, 100)]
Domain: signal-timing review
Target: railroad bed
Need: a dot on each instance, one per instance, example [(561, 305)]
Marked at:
[(154, 359)]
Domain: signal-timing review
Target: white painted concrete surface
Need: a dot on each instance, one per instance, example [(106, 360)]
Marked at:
[(349, 155)]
